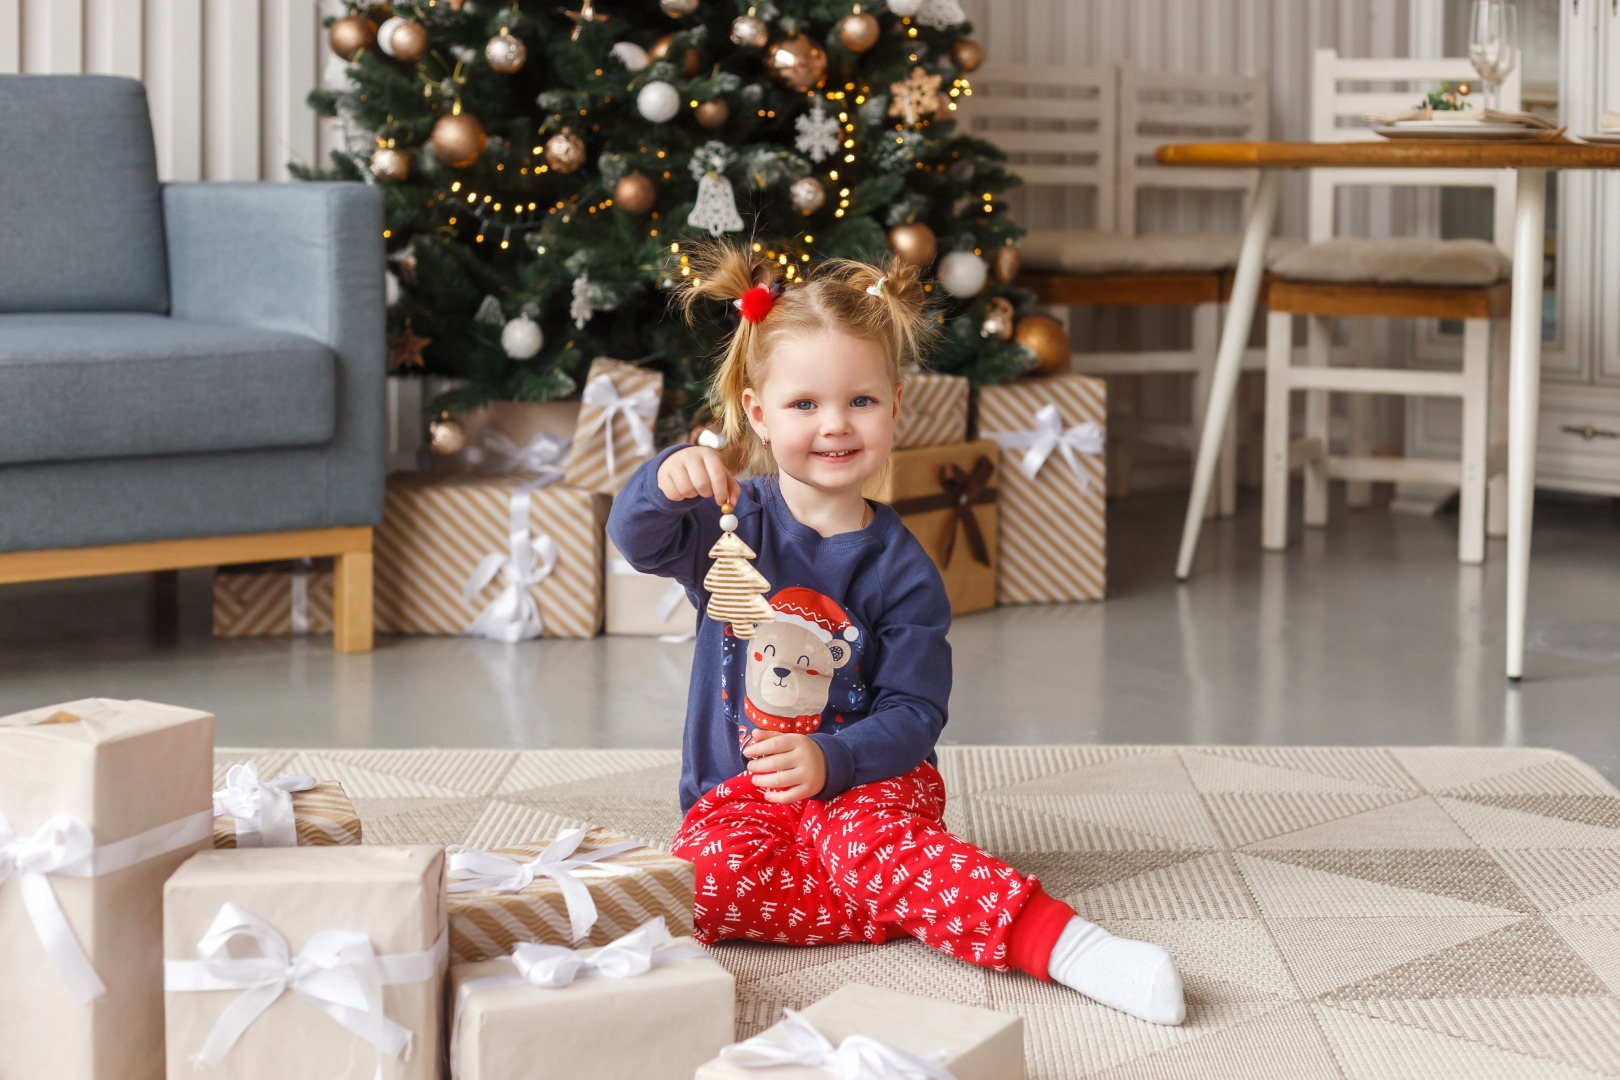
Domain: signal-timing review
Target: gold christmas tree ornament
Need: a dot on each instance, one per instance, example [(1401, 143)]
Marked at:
[(505, 52), (736, 589)]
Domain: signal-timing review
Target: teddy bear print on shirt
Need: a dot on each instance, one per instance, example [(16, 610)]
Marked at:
[(792, 661)]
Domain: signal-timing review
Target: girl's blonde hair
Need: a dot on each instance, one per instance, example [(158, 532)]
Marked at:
[(882, 304)]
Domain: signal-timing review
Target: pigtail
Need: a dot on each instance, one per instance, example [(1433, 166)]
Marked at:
[(911, 319)]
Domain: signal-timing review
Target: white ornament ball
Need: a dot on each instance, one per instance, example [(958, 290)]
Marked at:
[(631, 55), (522, 338), (905, 8), (390, 289), (962, 273), (728, 522), (385, 34), (658, 102)]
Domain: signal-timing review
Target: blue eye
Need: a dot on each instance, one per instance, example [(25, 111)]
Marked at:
[(863, 401), (803, 406)]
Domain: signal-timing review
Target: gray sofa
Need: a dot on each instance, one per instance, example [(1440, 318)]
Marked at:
[(179, 361)]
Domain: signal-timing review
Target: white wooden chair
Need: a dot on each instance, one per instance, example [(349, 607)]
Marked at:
[(1402, 278)]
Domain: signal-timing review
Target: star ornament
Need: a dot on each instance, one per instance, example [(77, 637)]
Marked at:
[(406, 350), (916, 96), (586, 13)]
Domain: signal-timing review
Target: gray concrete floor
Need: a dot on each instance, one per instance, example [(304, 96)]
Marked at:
[(1367, 632)]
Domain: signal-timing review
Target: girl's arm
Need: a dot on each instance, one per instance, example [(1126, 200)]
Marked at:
[(658, 532)]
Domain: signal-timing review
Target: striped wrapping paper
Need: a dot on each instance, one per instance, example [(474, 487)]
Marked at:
[(486, 924), (588, 454), (933, 411), (323, 816), (634, 601), (263, 603), (437, 527), (1052, 541)]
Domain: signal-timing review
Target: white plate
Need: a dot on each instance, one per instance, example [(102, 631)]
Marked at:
[(1459, 129)]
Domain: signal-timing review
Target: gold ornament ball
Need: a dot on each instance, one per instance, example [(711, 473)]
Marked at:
[(634, 194), (446, 436), (1044, 337), (565, 151), (712, 113), (676, 9), (660, 51), (797, 63), (999, 318), (506, 52), (390, 165), (1004, 263), (858, 32), (350, 34), (914, 243), (409, 41), (749, 32), (458, 140), (807, 195), (967, 54)]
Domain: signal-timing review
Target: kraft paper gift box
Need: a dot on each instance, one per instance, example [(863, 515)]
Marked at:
[(972, 1043), (531, 555), (502, 898), (946, 495), (290, 811), (645, 604), (646, 1007), (277, 601), (130, 781), (1052, 541), (615, 434), (317, 930), (933, 411)]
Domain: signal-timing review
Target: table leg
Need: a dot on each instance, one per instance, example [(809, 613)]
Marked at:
[(1229, 358), (1524, 399)]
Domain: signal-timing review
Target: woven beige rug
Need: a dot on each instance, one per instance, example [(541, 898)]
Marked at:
[(1335, 912)]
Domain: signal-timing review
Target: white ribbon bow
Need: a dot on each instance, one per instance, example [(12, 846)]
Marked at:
[(263, 811), (1049, 434), (552, 967), (513, 615), (858, 1057), (541, 456), (471, 869), (64, 845), (637, 409), (337, 971)]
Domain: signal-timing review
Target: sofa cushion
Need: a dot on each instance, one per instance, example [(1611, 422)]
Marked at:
[(82, 385), (1079, 251), (83, 224), (1348, 259)]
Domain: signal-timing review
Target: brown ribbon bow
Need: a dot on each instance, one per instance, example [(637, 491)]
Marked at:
[(961, 492)]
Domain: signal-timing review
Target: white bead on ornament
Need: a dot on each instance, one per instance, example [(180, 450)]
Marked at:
[(962, 273), (658, 102), (522, 338), (728, 522), (631, 55)]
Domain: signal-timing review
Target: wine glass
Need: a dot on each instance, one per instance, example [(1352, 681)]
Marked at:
[(1493, 44)]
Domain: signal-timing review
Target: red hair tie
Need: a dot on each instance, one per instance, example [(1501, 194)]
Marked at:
[(757, 302)]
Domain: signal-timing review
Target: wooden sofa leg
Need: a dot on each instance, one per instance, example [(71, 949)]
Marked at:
[(351, 602)]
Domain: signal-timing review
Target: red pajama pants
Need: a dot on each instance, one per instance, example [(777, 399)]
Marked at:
[(871, 864)]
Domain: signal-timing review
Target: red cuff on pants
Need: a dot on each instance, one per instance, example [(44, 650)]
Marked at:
[(1035, 931)]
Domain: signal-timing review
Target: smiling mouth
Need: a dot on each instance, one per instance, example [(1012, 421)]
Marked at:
[(835, 455)]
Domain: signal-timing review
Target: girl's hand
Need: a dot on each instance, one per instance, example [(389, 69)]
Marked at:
[(697, 472), (788, 767)]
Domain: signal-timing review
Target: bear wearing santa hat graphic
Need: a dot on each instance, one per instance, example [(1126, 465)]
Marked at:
[(792, 659)]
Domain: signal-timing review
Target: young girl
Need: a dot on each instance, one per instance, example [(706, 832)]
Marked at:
[(814, 813)]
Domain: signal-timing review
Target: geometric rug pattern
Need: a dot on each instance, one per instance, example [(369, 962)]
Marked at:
[(1346, 913)]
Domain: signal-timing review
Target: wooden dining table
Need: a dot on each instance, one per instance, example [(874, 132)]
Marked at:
[(1532, 159)]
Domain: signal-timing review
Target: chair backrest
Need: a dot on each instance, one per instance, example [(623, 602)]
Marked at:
[(1158, 107), (1055, 124), (1344, 90), (83, 222)]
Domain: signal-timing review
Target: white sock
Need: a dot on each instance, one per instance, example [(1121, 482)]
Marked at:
[(1135, 977)]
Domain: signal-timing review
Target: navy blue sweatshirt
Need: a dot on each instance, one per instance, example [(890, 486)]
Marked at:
[(856, 656)]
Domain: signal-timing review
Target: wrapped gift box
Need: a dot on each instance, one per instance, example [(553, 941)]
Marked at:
[(438, 530), (658, 1025), (273, 601), (978, 1044), (322, 815), (351, 901), (513, 436), (946, 495), (618, 406), (933, 411), (1052, 544), (487, 923), (126, 770), (644, 604)]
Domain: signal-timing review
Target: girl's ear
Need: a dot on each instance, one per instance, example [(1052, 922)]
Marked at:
[(754, 410)]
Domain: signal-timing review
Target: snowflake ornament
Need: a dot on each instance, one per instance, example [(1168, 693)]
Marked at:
[(581, 309), (915, 97), (940, 14), (819, 134)]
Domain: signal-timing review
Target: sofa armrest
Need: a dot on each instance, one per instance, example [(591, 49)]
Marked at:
[(305, 258)]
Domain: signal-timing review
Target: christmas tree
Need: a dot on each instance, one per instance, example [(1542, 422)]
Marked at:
[(543, 168), (736, 589)]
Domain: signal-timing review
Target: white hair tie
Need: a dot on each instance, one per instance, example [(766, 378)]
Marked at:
[(876, 288)]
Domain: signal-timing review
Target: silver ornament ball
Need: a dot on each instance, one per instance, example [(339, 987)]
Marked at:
[(658, 101), (807, 195)]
